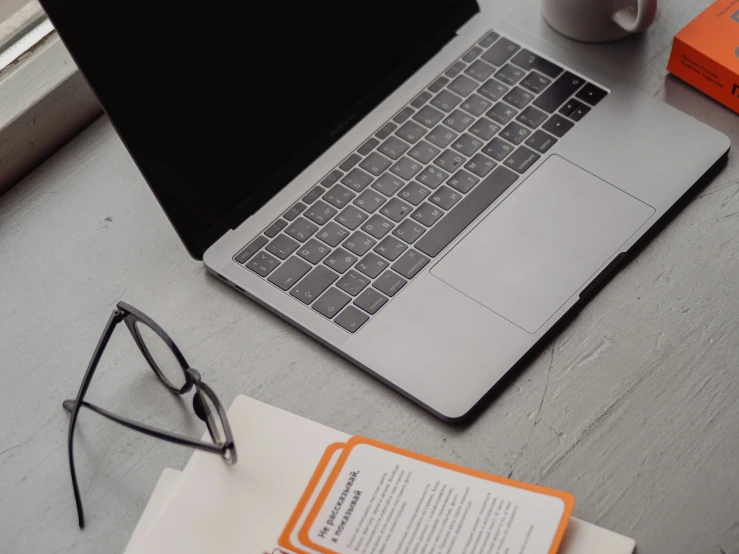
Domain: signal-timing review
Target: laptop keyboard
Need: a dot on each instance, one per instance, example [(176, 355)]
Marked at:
[(372, 224)]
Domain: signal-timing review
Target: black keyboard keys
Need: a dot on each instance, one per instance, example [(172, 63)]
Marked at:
[(377, 226), (522, 159), (351, 217), (313, 251), (515, 133), (301, 229), (489, 39), (289, 273), (353, 283), (558, 92), (370, 301), (340, 260), (332, 234), (370, 200), (294, 212), (351, 319), (409, 231), (541, 141), (359, 243), (591, 94), (389, 283), (357, 179), (529, 60), (390, 248), (558, 125), (243, 256), (372, 265), (410, 264), (263, 264), (427, 214), (532, 117), (535, 82), (320, 212), (282, 246), (580, 112), (339, 196), (314, 284), (275, 228), (331, 302), (497, 149), (313, 195), (500, 51)]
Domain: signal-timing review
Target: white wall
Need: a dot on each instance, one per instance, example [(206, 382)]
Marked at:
[(9, 7)]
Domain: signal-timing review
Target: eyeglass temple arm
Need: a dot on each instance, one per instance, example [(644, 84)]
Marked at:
[(147, 429)]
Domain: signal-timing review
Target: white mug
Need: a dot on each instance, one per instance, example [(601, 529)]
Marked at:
[(599, 20)]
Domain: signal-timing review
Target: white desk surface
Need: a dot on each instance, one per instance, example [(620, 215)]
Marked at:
[(634, 407)]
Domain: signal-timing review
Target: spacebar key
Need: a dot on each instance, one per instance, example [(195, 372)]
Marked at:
[(476, 202)]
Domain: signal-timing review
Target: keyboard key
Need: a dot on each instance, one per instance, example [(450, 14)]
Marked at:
[(332, 234), (313, 251), (413, 193), (410, 264), (421, 99), (375, 163), (262, 264), (441, 136), (389, 283), (522, 159), (252, 248), (390, 248), (462, 85), (484, 128), (489, 39), (467, 144), (282, 246), (295, 211), (357, 179), (313, 195), (275, 228), (313, 284), (471, 54), (535, 82), (409, 231), (559, 91), (340, 260), (476, 105), (480, 70), (449, 160), (351, 319), (353, 283), (570, 106), (591, 94), (498, 149), (396, 209), (332, 178), (359, 243), (339, 196), (320, 212), (301, 229), (350, 162), (386, 130), (458, 120), (500, 51), (509, 74), (515, 133), (331, 302), (427, 214), (541, 141), (446, 101), (437, 85), (388, 184), (368, 146), (529, 60), (463, 181), (480, 165), (351, 217), (369, 201), (445, 197), (403, 114), (455, 70), (532, 117), (432, 176), (464, 213), (558, 125), (370, 301), (424, 152), (289, 273), (372, 265), (518, 97), (393, 148), (492, 90), (406, 168), (580, 112), (377, 226), (411, 132), (501, 113)]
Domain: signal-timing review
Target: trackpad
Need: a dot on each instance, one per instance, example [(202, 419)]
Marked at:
[(542, 243)]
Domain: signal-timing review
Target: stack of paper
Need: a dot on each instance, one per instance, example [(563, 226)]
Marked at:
[(302, 487)]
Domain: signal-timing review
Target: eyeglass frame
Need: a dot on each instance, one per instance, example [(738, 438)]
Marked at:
[(130, 316)]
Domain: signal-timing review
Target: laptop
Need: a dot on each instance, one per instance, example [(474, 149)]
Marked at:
[(421, 189)]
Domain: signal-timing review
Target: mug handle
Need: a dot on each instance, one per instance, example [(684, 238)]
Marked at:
[(637, 17)]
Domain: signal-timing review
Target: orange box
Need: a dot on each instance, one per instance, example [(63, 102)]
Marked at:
[(705, 53)]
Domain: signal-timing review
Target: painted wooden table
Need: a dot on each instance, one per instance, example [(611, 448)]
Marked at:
[(633, 407)]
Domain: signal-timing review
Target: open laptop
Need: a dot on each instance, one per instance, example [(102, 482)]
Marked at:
[(422, 190)]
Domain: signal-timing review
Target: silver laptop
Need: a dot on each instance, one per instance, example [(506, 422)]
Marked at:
[(421, 191)]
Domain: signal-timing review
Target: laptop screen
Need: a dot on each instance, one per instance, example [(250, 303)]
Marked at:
[(221, 104)]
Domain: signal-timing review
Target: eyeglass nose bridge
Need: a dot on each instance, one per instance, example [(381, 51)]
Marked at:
[(193, 376)]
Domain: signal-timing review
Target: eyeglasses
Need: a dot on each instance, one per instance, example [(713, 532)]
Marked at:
[(174, 372)]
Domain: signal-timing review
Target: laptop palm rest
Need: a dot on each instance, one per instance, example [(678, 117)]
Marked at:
[(542, 243)]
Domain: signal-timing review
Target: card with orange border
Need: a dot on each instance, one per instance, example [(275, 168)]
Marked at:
[(366, 496)]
